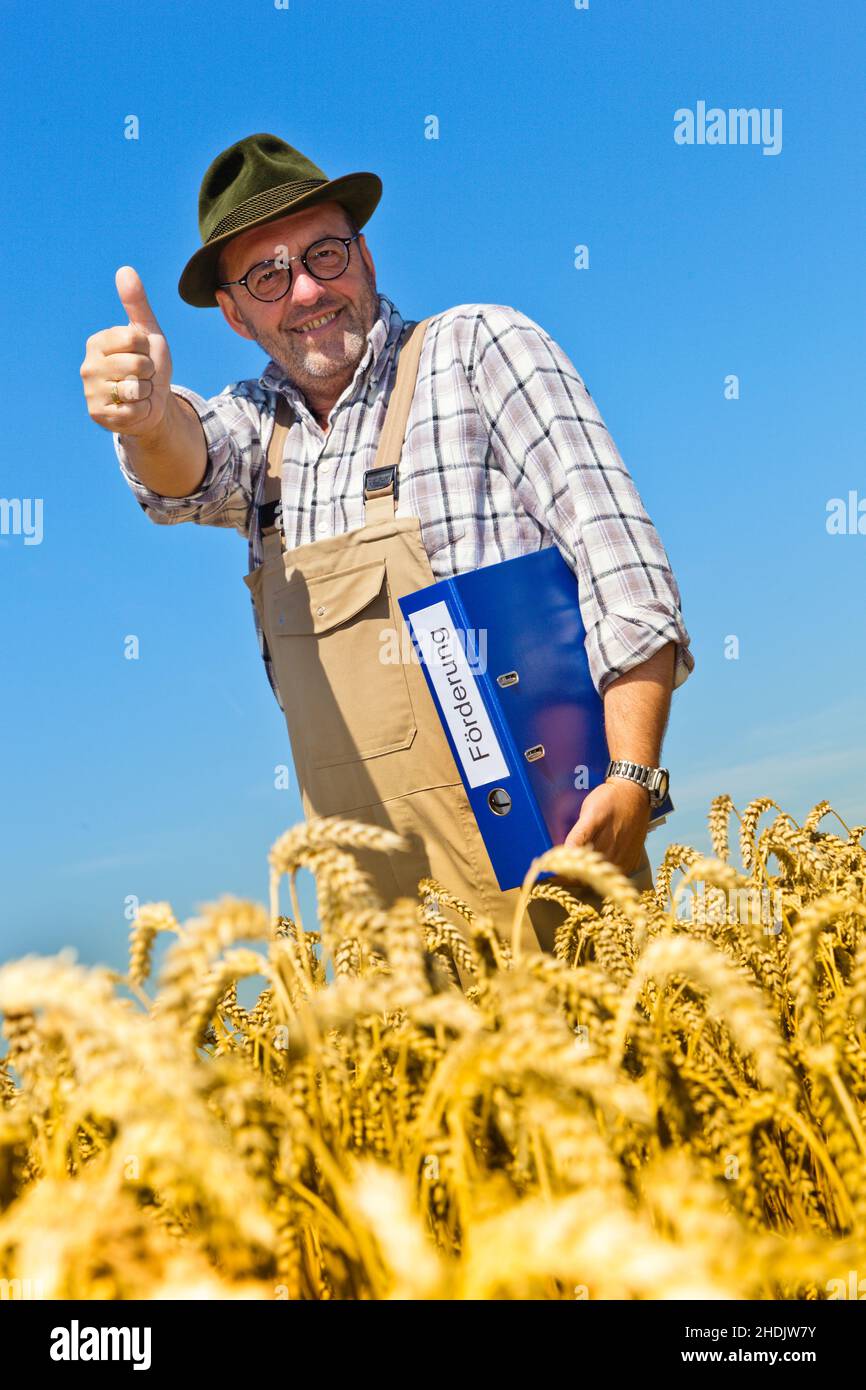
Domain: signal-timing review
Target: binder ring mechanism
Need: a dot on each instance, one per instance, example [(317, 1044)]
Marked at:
[(530, 754), (499, 800)]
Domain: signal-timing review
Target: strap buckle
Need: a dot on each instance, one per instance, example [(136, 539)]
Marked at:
[(378, 482), (271, 515)]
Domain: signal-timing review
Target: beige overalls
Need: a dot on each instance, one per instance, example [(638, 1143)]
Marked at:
[(366, 739)]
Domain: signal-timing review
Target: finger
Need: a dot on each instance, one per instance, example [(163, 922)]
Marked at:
[(122, 338), (129, 390), (124, 364), (122, 419), (134, 300), (578, 837), (588, 823)]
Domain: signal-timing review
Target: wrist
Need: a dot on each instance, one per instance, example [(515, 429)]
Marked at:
[(154, 439), (641, 795)]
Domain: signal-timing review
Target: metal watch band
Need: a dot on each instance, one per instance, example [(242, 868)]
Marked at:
[(653, 779)]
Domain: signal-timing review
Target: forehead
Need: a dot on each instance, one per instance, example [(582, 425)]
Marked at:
[(295, 232)]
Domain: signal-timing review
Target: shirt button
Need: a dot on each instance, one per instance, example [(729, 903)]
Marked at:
[(322, 526), (324, 467)]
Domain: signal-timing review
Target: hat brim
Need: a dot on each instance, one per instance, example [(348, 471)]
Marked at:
[(359, 193)]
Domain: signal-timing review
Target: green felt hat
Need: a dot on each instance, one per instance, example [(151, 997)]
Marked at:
[(257, 180)]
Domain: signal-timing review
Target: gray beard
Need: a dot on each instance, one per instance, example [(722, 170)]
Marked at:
[(306, 365)]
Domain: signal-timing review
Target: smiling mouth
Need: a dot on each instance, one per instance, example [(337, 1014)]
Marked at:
[(319, 324)]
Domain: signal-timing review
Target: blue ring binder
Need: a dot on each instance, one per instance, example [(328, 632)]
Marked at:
[(536, 737)]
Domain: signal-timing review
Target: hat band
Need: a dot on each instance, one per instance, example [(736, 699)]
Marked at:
[(272, 200)]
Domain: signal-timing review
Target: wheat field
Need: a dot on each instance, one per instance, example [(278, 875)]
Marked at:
[(672, 1105)]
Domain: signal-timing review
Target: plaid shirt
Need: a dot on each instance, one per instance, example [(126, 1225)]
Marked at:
[(505, 453)]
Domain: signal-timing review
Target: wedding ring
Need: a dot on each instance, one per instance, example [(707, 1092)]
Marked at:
[(115, 398)]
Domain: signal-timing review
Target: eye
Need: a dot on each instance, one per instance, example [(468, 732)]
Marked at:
[(264, 278)]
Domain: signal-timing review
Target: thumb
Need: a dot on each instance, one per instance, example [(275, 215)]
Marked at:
[(134, 300)]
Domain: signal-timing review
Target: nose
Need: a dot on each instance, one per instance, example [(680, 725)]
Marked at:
[(306, 289)]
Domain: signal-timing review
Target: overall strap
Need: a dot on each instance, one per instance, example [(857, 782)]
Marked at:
[(271, 521), (381, 481)]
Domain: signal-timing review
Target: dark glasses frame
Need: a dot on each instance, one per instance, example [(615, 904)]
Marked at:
[(285, 264)]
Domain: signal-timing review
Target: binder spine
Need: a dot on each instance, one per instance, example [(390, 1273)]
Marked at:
[(491, 699)]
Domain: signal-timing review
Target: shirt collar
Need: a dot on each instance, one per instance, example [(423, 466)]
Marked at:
[(381, 342)]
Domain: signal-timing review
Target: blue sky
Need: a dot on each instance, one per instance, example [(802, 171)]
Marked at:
[(556, 128)]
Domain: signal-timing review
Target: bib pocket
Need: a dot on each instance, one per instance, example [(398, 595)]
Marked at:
[(338, 646)]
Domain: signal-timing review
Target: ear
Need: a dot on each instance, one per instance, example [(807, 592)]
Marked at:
[(230, 313), (365, 256)]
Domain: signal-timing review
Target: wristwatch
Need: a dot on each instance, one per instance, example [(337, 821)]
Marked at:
[(655, 779)]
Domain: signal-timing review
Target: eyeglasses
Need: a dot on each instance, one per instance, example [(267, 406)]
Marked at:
[(324, 260)]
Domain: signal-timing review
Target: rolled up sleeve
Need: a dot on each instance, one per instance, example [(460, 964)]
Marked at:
[(618, 642), (550, 440), (224, 497)]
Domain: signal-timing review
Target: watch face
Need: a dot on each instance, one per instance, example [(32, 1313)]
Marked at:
[(662, 788)]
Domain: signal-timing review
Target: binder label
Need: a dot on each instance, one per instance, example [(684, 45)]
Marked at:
[(458, 695)]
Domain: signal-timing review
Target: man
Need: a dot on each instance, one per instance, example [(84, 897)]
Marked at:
[(504, 451)]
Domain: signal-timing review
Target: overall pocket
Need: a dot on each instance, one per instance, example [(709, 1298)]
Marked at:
[(337, 646)]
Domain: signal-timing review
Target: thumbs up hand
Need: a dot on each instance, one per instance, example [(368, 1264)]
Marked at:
[(127, 369)]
